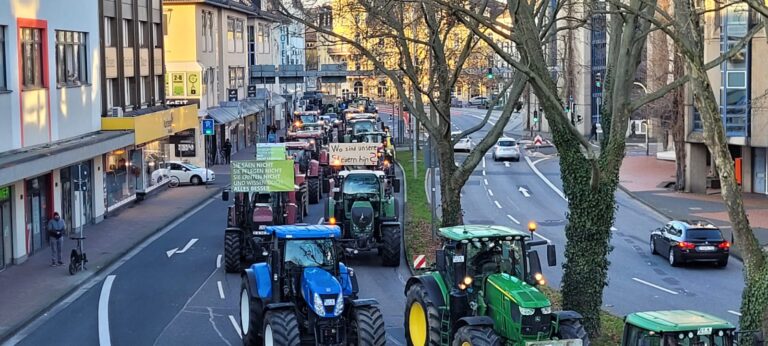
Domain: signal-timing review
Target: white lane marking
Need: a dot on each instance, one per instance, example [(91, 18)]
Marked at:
[(186, 247), (524, 191), (320, 221), (390, 338), (506, 163), (485, 181), (221, 289), (694, 208), (218, 261), (655, 286), (104, 338), (539, 160), (456, 163), (237, 327), (543, 178), (513, 219), (542, 237), (483, 172), (734, 313), (490, 192), (483, 161), (614, 229), (497, 204)]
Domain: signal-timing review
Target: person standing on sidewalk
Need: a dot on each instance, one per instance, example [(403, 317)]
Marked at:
[(593, 132), (227, 150), (56, 236)]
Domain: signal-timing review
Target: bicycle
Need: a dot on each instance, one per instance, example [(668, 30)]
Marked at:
[(77, 258)]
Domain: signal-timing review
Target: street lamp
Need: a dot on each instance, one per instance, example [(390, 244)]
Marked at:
[(645, 121)]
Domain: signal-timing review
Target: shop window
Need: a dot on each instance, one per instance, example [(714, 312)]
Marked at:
[(71, 58), (32, 58), (156, 156), (3, 85), (121, 176)]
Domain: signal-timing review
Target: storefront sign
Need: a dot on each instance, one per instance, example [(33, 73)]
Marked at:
[(182, 102), (110, 62), (193, 84), (262, 176), (270, 151), (232, 95), (153, 126), (5, 193), (177, 84), (251, 91), (354, 154), (184, 143), (144, 61), (128, 61)]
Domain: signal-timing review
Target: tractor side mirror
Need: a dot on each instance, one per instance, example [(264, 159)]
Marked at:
[(274, 263), (440, 260), (225, 195), (551, 255), (396, 185), (534, 266)]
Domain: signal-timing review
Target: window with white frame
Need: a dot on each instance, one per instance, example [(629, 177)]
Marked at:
[(128, 84), (264, 32), (32, 58), (210, 31), (3, 81), (127, 33), (142, 34), (251, 46), (204, 24), (111, 90), (156, 33), (109, 32), (143, 90), (71, 58), (230, 34), (239, 35), (240, 77), (156, 95)]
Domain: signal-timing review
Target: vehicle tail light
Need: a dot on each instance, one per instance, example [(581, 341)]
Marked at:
[(686, 245), (724, 245)]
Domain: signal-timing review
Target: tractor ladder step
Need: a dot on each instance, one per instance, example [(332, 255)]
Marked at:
[(445, 326)]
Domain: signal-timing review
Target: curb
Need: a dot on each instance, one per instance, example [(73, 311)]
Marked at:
[(14, 329), (405, 217)]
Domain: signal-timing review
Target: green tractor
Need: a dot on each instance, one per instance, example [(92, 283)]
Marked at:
[(482, 291), (367, 211), (683, 328)]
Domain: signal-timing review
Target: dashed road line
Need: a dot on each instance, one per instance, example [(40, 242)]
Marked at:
[(221, 289), (483, 161), (506, 163), (614, 229), (104, 337), (497, 204), (218, 261), (542, 237), (320, 222), (655, 286), (734, 313), (483, 172), (513, 219), (485, 181), (490, 192), (237, 327), (544, 179)]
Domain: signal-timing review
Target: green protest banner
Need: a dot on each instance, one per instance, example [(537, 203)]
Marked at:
[(262, 176), (270, 151)]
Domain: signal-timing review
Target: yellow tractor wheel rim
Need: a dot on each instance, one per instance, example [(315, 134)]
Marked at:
[(466, 343), (417, 324)]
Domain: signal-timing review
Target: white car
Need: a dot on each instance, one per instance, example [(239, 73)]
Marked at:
[(184, 172), (478, 101), (506, 149), (464, 144)]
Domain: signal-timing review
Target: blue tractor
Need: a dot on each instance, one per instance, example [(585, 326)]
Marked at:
[(304, 295)]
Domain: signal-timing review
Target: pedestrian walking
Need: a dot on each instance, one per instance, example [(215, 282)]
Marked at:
[(272, 135), (227, 150), (56, 228), (593, 132)]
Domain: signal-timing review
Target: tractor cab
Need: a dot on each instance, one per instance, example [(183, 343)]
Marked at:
[(677, 328)]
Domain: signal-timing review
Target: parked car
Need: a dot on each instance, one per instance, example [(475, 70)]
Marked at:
[(506, 148), (464, 144), (184, 173), (478, 101), (692, 240)]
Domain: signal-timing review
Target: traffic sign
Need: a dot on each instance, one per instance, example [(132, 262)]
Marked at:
[(538, 141), (419, 262), (208, 127)]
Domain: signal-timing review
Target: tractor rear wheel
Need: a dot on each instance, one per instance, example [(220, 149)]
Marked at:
[(422, 318), (367, 327), (314, 190), (390, 250), (573, 329), (250, 323), (233, 252), (476, 336), (281, 328)]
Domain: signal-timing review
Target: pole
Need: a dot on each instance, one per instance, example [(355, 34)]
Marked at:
[(415, 125), (433, 205), (646, 138)]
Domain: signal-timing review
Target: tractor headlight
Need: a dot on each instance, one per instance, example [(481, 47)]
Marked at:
[(546, 310), (527, 311), (318, 305), (339, 305)]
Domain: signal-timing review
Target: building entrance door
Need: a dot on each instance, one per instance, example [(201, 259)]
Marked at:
[(38, 212), (758, 179), (6, 251)]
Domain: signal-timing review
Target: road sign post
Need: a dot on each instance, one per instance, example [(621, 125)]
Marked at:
[(207, 131)]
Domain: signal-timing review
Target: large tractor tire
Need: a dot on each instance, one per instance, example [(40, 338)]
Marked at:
[(314, 190), (281, 328), (233, 252), (250, 316), (476, 336), (390, 249), (367, 327), (422, 318), (573, 329)]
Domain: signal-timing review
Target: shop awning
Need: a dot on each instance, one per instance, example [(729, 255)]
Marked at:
[(30, 161), (277, 99), (251, 107), (224, 115)]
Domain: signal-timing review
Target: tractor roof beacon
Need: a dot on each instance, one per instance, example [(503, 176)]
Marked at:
[(482, 291), (303, 295), (677, 326)]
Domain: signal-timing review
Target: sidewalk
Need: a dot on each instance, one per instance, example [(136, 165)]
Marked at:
[(33, 287), (645, 178)]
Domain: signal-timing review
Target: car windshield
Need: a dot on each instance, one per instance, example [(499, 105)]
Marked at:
[(361, 183), (308, 119), (309, 253), (363, 126), (332, 116), (683, 339), (372, 138), (295, 153), (506, 143), (496, 256), (704, 234)]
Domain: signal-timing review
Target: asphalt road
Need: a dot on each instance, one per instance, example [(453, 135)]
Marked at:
[(511, 193), (187, 298)]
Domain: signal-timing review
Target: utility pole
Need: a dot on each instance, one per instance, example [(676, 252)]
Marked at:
[(433, 166)]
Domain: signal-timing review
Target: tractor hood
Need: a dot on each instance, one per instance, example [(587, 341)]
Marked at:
[(322, 292), (361, 215), (523, 294)]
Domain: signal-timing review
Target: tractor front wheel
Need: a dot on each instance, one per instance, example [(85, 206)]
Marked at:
[(573, 329), (422, 318), (476, 336), (367, 327), (281, 328), (314, 190), (233, 252), (250, 321), (390, 250)]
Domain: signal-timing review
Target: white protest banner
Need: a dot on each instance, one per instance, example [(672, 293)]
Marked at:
[(354, 154)]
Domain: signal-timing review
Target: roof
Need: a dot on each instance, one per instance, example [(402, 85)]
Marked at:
[(361, 171), (304, 231), (468, 232), (687, 224), (676, 321)]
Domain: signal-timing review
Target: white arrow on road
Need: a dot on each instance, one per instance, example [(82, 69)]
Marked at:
[(186, 247), (524, 191)]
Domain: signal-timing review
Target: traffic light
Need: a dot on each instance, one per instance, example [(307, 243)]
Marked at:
[(208, 127), (535, 117), (490, 73), (599, 80)]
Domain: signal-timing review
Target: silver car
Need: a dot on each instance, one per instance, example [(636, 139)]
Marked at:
[(506, 149)]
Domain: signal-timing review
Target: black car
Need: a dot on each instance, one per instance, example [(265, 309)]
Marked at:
[(688, 241)]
